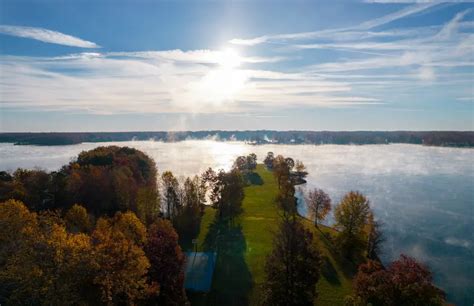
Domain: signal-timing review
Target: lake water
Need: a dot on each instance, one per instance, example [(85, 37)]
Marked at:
[(423, 195)]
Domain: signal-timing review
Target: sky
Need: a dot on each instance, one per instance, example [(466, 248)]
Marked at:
[(236, 65)]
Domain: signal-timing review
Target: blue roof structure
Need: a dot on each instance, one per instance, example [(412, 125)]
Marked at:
[(199, 271)]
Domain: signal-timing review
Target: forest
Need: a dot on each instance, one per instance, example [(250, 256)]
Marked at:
[(109, 229), (428, 138)]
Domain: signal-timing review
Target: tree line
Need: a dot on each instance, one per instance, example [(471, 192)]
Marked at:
[(430, 138), (293, 266), (120, 245)]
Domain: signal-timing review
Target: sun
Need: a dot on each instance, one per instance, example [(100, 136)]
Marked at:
[(229, 58), (224, 82)]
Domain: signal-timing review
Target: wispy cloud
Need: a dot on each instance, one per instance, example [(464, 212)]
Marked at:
[(367, 25), (47, 36), (171, 81), (410, 10)]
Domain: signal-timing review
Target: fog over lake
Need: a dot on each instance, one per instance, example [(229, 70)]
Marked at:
[(423, 195)]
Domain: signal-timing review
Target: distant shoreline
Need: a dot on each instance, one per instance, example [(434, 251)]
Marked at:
[(463, 139)]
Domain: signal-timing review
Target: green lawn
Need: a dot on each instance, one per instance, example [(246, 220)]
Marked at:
[(242, 248)]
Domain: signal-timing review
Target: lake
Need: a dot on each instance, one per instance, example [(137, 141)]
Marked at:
[(423, 195)]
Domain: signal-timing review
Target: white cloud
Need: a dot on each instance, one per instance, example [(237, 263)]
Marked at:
[(410, 10), (427, 73), (46, 36), (172, 81), (370, 24)]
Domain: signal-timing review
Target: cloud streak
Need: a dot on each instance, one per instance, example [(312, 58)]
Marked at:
[(47, 36), (171, 81), (370, 24)]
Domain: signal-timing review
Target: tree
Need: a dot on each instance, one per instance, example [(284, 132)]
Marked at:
[(300, 167), (78, 220), (319, 205), (121, 262), (251, 161), (246, 163), (28, 186), (170, 191), (148, 205), (375, 238), (351, 216), (241, 163), (404, 282), (292, 268), (106, 180), (231, 186), (269, 160), (41, 262), (167, 263), (226, 191), (281, 170), (290, 163), (189, 219)]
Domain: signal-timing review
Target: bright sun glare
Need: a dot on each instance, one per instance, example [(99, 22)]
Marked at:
[(229, 59), (226, 81)]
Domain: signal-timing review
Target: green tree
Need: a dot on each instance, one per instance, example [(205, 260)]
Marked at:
[(268, 161), (351, 216), (292, 268), (189, 219), (251, 161)]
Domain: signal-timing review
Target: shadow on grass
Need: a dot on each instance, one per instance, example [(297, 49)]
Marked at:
[(232, 281), (329, 272), (253, 178), (348, 267)]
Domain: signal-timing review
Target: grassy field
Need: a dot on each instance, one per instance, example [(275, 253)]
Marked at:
[(243, 245)]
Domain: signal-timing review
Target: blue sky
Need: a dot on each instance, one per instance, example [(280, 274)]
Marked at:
[(194, 65)]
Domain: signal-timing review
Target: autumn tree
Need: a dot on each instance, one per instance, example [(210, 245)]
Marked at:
[(108, 179), (32, 187), (148, 205), (78, 220), (120, 260), (167, 263), (40, 262), (319, 205), (404, 282), (281, 170), (351, 216), (292, 267), (300, 167)]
